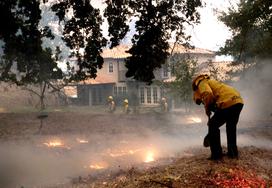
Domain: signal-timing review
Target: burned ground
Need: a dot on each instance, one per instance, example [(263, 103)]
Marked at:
[(112, 150)]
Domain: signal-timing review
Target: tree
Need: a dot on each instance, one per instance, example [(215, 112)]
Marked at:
[(218, 72), (156, 22), (82, 34), (251, 26), (183, 70), (25, 61)]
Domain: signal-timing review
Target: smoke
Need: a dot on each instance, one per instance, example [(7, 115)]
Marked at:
[(247, 140), (32, 163), (256, 88), (28, 165), (127, 143)]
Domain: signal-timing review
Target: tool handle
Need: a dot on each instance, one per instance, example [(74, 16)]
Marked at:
[(209, 118)]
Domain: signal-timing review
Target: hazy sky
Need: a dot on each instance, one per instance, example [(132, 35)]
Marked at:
[(210, 34)]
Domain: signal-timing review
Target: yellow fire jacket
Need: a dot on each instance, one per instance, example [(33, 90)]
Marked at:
[(212, 92), (125, 107)]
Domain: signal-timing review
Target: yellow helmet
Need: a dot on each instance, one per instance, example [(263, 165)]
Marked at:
[(126, 101), (198, 79), (110, 98)]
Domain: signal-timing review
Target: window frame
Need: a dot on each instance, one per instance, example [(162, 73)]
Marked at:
[(142, 95), (165, 71), (111, 67), (148, 95), (155, 95)]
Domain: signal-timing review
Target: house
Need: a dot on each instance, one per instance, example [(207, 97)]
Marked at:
[(111, 79)]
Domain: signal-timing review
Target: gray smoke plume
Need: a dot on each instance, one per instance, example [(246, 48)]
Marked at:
[(256, 89), (31, 164)]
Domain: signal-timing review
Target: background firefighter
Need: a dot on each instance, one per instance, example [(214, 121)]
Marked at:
[(226, 103), (111, 104), (126, 107), (164, 105)]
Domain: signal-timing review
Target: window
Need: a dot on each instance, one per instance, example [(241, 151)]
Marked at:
[(162, 92), (115, 91), (165, 71), (142, 97), (124, 90), (120, 90), (155, 94), (94, 96), (110, 67), (99, 95), (148, 92)]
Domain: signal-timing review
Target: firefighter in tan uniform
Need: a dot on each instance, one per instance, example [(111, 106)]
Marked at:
[(126, 107), (111, 104), (226, 103), (164, 105)]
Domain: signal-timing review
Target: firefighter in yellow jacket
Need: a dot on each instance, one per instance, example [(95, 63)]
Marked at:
[(164, 105), (226, 103), (126, 108), (111, 104)]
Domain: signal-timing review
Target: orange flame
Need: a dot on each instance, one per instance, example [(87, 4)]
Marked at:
[(82, 141), (149, 157), (53, 144), (123, 153), (194, 119), (56, 144), (98, 166)]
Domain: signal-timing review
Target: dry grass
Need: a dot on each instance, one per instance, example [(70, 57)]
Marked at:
[(189, 168)]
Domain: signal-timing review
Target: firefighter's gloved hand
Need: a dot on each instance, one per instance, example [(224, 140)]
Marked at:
[(208, 113), (209, 122), (206, 142), (198, 101)]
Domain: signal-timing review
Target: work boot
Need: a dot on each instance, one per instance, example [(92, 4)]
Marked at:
[(216, 157), (232, 153), (206, 142)]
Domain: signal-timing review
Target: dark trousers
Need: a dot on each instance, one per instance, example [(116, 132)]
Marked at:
[(230, 116)]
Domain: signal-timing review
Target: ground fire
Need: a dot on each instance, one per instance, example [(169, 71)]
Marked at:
[(82, 141), (141, 155), (54, 144), (98, 166), (121, 153), (196, 119), (149, 157), (236, 177)]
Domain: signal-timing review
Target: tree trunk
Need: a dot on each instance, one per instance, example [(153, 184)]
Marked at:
[(42, 95)]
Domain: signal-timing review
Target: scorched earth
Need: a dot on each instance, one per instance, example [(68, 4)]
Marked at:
[(76, 149)]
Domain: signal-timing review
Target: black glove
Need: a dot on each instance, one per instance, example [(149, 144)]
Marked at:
[(198, 101), (206, 142)]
